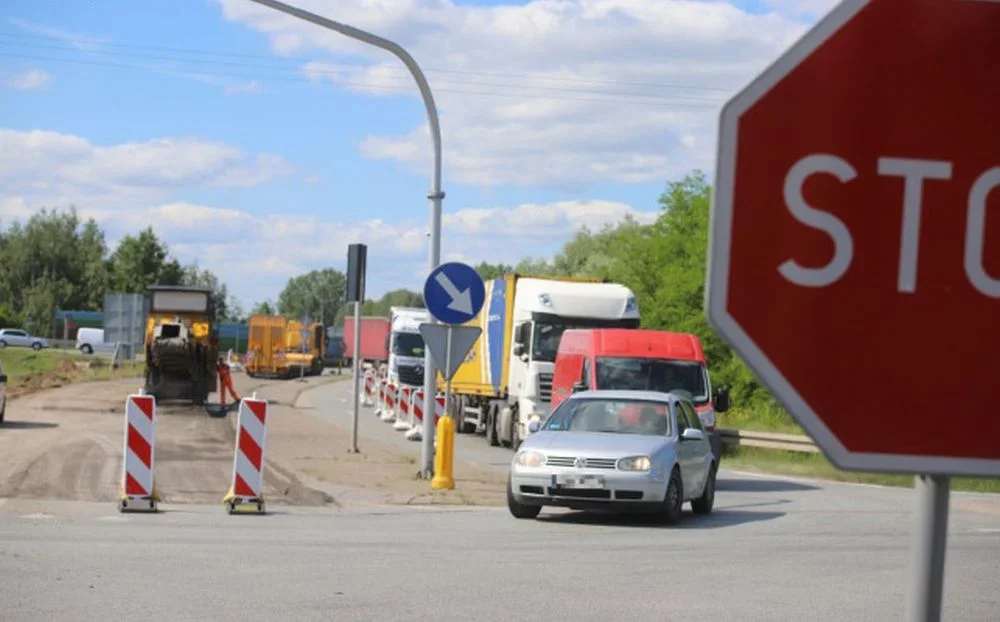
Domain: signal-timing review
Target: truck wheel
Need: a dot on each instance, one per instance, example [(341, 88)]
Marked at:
[(491, 425)]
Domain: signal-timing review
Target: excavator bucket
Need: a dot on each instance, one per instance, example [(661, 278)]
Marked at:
[(218, 410)]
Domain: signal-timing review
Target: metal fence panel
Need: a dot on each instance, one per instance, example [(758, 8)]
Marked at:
[(125, 322)]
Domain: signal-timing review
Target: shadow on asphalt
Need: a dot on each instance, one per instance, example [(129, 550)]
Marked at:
[(731, 484), (27, 425), (719, 518)]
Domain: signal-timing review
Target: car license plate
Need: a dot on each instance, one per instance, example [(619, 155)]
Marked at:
[(580, 481)]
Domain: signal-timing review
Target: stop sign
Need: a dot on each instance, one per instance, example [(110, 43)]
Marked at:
[(855, 243)]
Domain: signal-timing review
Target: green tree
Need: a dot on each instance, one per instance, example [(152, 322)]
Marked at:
[(318, 293), (263, 308), (140, 261), (489, 271)]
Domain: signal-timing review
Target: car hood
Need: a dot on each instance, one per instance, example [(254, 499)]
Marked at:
[(595, 444)]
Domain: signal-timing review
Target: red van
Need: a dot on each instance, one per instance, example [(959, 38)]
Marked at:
[(637, 359)]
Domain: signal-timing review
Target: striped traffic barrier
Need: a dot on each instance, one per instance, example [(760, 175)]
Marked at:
[(379, 394), (138, 492), (248, 463), (417, 413), (416, 432), (367, 387), (404, 419), (389, 410)]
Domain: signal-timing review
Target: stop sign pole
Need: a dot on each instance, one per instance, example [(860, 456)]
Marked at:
[(854, 253)]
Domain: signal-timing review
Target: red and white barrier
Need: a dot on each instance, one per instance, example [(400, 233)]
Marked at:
[(247, 487), (138, 483), (416, 432), (368, 388), (404, 420), (389, 408)]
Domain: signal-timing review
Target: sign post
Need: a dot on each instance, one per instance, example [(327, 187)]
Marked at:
[(357, 258), (850, 264), (454, 294)]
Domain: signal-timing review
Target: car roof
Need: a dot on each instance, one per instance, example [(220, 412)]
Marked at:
[(649, 396)]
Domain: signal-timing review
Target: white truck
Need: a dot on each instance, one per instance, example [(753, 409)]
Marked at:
[(506, 380), (406, 345)]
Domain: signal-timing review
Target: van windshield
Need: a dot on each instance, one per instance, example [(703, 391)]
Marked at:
[(644, 374), (408, 344)]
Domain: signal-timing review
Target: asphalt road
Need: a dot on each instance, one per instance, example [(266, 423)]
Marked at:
[(774, 550), (333, 403)]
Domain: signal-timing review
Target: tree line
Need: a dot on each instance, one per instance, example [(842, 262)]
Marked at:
[(57, 261)]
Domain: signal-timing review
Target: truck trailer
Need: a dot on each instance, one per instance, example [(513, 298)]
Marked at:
[(181, 344), (374, 339), (274, 349), (505, 381)]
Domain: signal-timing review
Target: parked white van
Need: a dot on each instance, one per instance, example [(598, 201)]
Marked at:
[(90, 340)]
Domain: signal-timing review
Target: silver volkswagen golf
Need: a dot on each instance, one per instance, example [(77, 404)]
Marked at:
[(620, 450)]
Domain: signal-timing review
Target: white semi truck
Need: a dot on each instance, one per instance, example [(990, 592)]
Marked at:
[(506, 380), (406, 345)]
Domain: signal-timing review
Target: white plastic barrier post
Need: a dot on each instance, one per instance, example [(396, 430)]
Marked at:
[(417, 415), (404, 420), (368, 385), (389, 411), (380, 386), (416, 433), (138, 492), (247, 487)]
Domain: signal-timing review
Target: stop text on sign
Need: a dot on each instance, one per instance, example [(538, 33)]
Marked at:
[(914, 173)]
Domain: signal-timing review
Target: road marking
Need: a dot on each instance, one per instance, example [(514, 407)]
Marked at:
[(38, 515)]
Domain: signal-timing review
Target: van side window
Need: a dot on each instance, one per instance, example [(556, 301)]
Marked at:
[(585, 375)]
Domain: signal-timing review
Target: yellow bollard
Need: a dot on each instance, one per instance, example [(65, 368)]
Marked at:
[(444, 458)]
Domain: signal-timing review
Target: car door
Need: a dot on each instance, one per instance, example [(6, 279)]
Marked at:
[(17, 338), (687, 451), (702, 449)]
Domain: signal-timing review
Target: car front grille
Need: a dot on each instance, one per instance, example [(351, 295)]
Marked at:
[(545, 387), (411, 375), (590, 463)]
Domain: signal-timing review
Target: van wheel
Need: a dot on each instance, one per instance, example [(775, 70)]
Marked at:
[(86, 349)]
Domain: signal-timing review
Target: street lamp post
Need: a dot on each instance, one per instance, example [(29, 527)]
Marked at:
[(436, 195)]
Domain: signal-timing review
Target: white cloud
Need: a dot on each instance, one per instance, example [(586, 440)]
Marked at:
[(26, 80), (561, 93), (252, 87), (806, 8), (77, 40), (62, 168)]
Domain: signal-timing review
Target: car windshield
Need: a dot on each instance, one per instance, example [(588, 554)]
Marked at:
[(643, 374), (408, 344), (549, 329), (610, 416)]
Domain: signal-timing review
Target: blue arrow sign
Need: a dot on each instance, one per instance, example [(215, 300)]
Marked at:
[(454, 293)]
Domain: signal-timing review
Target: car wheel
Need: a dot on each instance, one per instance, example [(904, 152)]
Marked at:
[(518, 509), (3, 410), (36, 346), (704, 503), (86, 349), (673, 501), (3, 344)]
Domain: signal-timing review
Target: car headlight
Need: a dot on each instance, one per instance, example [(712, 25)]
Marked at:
[(530, 458), (635, 463)]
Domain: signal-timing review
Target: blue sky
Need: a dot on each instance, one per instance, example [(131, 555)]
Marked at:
[(260, 146)]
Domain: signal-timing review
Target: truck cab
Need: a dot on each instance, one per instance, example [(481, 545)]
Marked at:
[(544, 310), (406, 345), (639, 359)]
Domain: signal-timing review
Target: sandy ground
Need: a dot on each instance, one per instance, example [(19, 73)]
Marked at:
[(67, 443)]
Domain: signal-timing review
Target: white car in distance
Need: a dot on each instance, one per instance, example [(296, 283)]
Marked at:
[(639, 451)]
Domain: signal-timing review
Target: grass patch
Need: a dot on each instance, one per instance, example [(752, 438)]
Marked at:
[(817, 466), (29, 371), (760, 419)]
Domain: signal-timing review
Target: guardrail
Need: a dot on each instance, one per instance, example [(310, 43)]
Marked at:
[(769, 440)]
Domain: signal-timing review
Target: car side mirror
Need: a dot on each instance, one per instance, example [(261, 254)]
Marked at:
[(3, 378), (692, 434), (534, 426), (722, 401), (579, 386)]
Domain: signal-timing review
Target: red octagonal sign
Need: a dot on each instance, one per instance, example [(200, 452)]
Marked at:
[(855, 245)]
